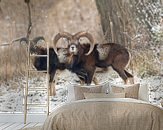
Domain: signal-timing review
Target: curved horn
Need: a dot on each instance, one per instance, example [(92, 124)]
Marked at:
[(58, 36), (87, 35), (20, 40)]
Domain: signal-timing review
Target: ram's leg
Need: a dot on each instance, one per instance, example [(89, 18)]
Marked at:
[(90, 73), (86, 75), (130, 77), (52, 88), (52, 84), (95, 81), (82, 74), (82, 79), (122, 74), (82, 82)]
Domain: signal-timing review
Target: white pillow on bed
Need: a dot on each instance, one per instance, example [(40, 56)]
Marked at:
[(76, 92), (131, 90), (144, 93), (80, 90), (70, 95), (104, 95)]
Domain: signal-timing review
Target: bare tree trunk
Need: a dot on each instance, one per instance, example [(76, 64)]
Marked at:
[(117, 22), (132, 24), (113, 19)]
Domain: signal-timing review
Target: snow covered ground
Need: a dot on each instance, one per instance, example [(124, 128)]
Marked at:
[(11, 94)]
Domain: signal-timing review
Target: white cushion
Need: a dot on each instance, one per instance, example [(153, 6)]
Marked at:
[(104, 95), (70, 95), (143, 93)]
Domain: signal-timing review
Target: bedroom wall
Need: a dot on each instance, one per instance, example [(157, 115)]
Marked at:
[(48, 18)]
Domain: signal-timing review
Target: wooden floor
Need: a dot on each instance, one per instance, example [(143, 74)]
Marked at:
[(17, 126)]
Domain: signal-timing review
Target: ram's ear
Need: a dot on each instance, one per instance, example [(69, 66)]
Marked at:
[(85, 48)]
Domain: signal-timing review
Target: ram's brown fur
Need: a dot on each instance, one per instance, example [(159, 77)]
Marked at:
[(84, 58), (116, 56)]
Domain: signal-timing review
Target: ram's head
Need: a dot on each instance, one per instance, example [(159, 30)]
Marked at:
[(74, 45), (78, 54)]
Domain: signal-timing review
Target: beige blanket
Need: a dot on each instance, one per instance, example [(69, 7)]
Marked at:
[(105, 114)]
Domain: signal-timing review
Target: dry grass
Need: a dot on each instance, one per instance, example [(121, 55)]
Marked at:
[(48, 18), (12, 62), (145, 63)]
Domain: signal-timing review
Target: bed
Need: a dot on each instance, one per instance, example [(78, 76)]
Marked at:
[(105, 114), (90, 108)]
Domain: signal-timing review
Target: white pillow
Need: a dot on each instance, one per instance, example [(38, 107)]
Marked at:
[(104, 95), (70, 95), (71, 91), (143, 93)]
